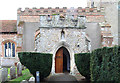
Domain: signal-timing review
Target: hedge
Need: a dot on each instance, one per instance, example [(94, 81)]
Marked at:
[(105, 64), (37, 62), (82, 61)]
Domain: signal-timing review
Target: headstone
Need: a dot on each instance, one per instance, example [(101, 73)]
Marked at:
[(32, 80), (0, 75), (12, 72), (0, 61), (3, 74), (22, 67), (19, 69)]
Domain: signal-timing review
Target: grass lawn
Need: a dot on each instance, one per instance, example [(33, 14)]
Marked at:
[(9, 72), (26, 75)]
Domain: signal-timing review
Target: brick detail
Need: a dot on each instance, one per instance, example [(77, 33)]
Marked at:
[(106, 36), (35, 11)]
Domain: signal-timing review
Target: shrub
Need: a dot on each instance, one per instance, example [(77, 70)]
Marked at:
[(105, 65), (118, 60), (82, 61), (37, 62)]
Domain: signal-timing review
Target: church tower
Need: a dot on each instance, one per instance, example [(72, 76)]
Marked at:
[(111, 13)]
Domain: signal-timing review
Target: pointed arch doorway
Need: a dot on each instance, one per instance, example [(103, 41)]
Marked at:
[(62, 60)]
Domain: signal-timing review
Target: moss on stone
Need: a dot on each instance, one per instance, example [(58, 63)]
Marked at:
[(21, 23)]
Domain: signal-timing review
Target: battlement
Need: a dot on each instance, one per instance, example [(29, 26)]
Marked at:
[(64, 10), (61, 21)]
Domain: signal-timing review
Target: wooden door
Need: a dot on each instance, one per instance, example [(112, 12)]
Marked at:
[(59, 61)]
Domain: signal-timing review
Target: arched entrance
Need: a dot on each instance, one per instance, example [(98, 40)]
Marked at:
[(62, 60)]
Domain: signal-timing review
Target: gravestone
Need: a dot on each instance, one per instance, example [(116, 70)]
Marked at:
[(0, 61), (23, 67), (0, 75), (3, 74), (32, 80), (19, 69), (12, 72)]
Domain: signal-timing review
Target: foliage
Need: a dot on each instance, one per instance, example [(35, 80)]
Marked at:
[(55, 14), (105, 64), (8, 72), (82, 61), (62, 17), (25, 76), (37, 62)]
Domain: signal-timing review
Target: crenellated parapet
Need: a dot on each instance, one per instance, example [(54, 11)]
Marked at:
[(64, 10), (62, 21)]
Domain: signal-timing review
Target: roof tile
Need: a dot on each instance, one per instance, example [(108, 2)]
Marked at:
[(8, 25)]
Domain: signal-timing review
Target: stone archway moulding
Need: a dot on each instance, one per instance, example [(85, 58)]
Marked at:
[(72, 60)]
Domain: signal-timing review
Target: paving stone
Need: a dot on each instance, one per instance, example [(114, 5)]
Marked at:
[(63, 77), (24, 81)]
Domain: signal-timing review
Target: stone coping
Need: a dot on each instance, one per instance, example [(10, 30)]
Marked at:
[(66, 27)]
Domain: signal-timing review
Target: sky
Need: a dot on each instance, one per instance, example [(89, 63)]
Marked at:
[(8, 8)]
